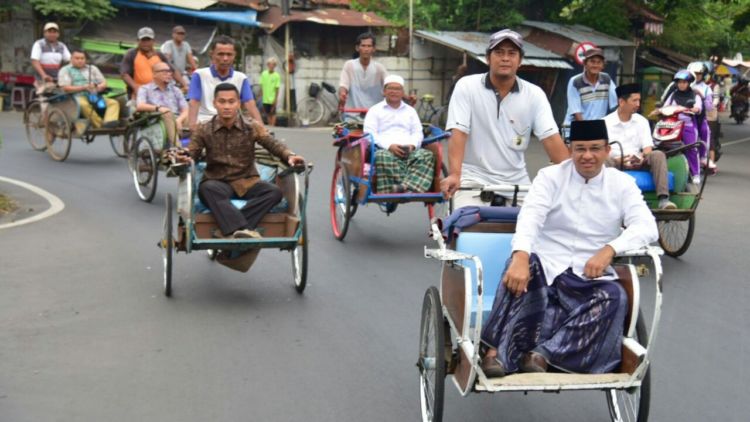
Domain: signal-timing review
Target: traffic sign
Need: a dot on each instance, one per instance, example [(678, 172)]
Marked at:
[(581, 50)]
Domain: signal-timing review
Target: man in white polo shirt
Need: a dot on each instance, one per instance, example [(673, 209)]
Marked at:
[(204, 81), (48, 54), (492, 117), (633, 133), (401, 165)]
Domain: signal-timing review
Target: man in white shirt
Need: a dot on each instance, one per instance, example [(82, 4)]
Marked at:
[(632, 131), (362, 78), (401, 165), (48, 54), (558, 303), (492, 117)]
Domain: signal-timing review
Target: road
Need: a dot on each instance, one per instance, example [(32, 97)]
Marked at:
[(86, 334)]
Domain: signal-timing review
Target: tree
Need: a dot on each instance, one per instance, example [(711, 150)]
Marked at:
[(75, 9)]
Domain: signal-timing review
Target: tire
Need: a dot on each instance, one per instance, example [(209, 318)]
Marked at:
[(310, 109), (167, 247), (431, 361), (119, 144), (132, 137), (299, 258), (340, 202), (145, 169), (33, 119), (675, 236), (58, 135), (632, 405)]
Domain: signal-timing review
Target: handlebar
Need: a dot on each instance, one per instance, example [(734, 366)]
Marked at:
[(305, 167)]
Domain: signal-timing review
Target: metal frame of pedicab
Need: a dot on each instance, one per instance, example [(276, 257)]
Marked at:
[(60, 118), (188, 241), (446, 329), (145, 156), (352, 186)]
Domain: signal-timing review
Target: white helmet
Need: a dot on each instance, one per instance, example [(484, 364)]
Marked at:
[(697, 67)]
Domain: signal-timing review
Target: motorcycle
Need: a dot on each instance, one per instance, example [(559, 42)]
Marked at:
[(668, 130), (739, 108)]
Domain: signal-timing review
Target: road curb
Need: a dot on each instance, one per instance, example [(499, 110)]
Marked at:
[(56, 204)]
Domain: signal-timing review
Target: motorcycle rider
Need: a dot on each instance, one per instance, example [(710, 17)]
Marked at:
[(684, 96), (740, 93), (699, 71)]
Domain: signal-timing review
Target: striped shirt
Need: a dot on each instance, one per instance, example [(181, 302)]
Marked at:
[(593, 101)]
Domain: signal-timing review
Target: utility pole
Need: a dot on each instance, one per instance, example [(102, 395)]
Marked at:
[(287, 77)]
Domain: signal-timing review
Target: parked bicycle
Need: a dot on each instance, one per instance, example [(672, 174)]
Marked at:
[(428, 113), (319, 104)]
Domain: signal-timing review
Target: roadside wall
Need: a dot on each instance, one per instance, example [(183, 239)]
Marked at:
[(16, 37)]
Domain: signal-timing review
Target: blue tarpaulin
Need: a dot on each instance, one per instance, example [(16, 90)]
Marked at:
[(240, 17)]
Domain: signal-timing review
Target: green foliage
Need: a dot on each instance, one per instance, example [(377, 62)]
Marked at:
[(607, 16), (75, 9)]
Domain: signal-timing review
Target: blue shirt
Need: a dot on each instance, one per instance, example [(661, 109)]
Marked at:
[(196, 92), (593, 101)]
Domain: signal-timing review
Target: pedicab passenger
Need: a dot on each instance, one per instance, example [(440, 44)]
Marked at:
[(559, 304), (401, 165), (81, 79), (161, 95), (633, 132), (229, 143)]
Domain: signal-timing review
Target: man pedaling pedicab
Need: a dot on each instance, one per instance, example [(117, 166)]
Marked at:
[(400, 165), (559, 303), (229, 143), (161, 95), (86, 82), (636, 150), (492, 117)]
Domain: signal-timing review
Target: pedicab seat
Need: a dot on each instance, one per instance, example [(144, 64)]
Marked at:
[(645, 180), (267, 174)]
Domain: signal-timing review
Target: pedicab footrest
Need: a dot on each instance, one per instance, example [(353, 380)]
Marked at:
[(272, 225), (394, 197), (552, 381)]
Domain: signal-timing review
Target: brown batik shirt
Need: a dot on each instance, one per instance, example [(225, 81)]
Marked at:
[(230, 152)]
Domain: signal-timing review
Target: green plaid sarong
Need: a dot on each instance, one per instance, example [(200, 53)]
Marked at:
[(415, 172)]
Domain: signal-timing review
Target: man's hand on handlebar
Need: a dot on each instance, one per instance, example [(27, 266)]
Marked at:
[(450, 185), (296, 161), (178, 155)]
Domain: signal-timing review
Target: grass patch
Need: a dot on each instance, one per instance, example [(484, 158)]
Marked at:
[(7, 205)]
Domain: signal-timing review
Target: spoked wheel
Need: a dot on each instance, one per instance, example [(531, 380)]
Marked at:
[(119, 144), (33, 119), (311, 110), (58, 135), (341, 200), (431, 361), (675, 236), (167, 247), (299, 258), (145, 169), (632, 405)]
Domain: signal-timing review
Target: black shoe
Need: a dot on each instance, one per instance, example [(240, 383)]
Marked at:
[(534, 362), (492, 368)]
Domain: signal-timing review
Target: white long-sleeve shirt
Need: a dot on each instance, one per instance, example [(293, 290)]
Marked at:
[(388, 125), (565, 219)]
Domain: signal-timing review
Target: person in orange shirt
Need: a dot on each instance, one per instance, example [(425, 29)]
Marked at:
[(137, 63)]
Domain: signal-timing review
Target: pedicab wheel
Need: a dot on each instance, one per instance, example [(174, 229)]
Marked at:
[(119, 143), (58, 135), (310, 110), (145, 169), (431, 361), (675, 236), (167, 247), (632, 405), (33, 119), (299, 258), (341, 200)]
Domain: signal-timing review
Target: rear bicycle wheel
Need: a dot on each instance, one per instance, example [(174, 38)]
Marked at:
[(58, 135), (431, 361), (33, 120), (167, 247), (633, 404), (145, 169), (311, 110), (119, 144), (299, 257), (341, 199), (675, 236)]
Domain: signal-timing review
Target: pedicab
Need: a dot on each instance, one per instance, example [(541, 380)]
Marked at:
[(63, 122), (354, 179), (676, 226), (145, 148), (283, 228), (453, 313)]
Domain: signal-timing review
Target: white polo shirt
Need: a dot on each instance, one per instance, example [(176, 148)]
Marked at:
[(388, 125), (633, 135), (499, 129)]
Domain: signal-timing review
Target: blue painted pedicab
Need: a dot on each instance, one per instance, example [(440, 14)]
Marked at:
[(283, 228), (473, 253), (354, 177)]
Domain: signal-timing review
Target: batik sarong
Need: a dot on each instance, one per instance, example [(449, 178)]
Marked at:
[(576, 324), (414, 173)]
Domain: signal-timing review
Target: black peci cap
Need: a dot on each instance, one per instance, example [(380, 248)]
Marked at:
[(588, 130)]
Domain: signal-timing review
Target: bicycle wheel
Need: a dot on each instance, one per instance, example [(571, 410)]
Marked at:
[(167, 247), (299, 257), (145, 169), (675, 236), (33, 119), (340, 202), (632, 405), (431, 361), (58, 135), (310, 110)]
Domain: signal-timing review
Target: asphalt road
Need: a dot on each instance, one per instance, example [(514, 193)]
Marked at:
[(86, 334)]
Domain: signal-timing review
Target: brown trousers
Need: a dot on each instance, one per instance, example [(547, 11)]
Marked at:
[(656, 163)]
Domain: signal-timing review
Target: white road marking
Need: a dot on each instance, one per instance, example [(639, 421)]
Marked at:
[(56, 204), (738, 141)]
